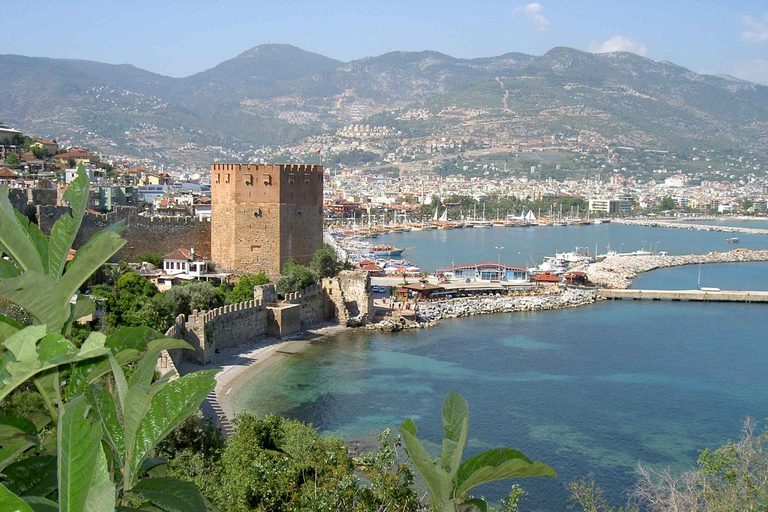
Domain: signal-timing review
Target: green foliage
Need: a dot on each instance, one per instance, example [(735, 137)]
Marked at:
[(155, 258), (279, 464), (198, 295), (448, 479), (13, 161), (39, 152), (243, 290), (667, 203), (294, 277), (325, 262), (106, 423)]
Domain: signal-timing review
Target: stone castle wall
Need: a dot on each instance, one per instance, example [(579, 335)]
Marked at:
[(346, 298), (26, 199), (142, 234)]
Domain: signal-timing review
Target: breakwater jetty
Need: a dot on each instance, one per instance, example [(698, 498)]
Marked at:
[(557, 298), (617, 272), (688, 225), (686, 295)]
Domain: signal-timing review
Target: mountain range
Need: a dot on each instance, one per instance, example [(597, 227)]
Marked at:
[(278, 95)]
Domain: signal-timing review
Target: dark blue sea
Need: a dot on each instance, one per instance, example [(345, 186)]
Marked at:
[(591, 391)]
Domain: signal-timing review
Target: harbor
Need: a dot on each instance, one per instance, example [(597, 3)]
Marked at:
[(513, 349)]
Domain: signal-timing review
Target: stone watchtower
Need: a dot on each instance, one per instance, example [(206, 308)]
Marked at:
[(262, 215)]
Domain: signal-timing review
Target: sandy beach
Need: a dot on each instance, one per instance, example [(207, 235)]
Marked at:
[(238, 364)]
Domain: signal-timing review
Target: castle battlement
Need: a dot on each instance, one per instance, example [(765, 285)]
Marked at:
[(264, 214)]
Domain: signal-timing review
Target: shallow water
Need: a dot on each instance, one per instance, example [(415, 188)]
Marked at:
[(590, 391)]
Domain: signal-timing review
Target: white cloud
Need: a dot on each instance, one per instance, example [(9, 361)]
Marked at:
[(753, 70), (618, 44), (755, 29), (532, 13)]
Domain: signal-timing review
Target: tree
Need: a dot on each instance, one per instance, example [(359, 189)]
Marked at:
[(199, 295), (106, 424), (667, 203), (155, 258), (243, 290), (13, 160), (280, 464), (747, 204), (325, 262), (294, 278), (38, 151), (448, 479)]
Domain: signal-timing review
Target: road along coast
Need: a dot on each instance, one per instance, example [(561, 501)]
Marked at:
[(618, 271)]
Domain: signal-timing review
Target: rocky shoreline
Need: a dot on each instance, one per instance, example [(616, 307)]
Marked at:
[(429, 314), (686, 225), (617, 272)]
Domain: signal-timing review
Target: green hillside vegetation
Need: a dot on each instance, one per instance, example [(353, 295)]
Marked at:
[(626, 98)]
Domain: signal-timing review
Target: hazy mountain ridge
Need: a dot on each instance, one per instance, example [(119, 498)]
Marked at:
[(276, 94)]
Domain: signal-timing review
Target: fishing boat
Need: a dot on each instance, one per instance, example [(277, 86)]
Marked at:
[(387, 251), (733, 240)]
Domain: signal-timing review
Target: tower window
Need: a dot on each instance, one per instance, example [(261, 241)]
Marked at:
[(291, 178), (249, 179)]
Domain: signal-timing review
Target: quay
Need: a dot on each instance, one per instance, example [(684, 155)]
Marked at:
[(686, 295)]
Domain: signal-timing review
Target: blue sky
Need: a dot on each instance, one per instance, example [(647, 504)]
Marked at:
[(178, 38)]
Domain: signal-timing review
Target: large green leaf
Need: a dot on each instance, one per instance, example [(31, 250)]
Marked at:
[(38, 294), (9, 502), (23, 358), (33, 476), (84, 306), (169, 406), (15, 241), (455, 418), (171, 495), (437, 480), (450, 457), (455, 411), (39, 504), (41, 243), (498, 464), (47, 384), (8, 327), (66, 227), (132, 337), (84, 483), (472, 503), (103, 404), (97, 251), (13, 442), (8, 269)]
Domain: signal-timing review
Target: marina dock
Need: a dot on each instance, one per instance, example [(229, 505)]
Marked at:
[(686, 295)]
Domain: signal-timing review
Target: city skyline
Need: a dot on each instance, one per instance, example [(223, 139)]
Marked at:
[(180, 39)]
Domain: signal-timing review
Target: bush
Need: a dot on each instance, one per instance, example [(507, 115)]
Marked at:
[(294, 278), (243, 290)]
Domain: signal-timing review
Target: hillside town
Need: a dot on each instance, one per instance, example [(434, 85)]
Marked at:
[(417, 174)]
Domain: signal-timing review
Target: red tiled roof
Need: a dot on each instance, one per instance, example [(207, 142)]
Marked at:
[(75, 154), (5, 172), (178, 254), (46, 142)]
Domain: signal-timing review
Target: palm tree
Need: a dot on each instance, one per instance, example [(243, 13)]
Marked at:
[(114, 273)]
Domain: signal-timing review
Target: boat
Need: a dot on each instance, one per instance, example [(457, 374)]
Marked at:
[(387, 251), (733, 240)]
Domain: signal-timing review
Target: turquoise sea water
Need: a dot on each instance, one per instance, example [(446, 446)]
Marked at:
[(590, 391)]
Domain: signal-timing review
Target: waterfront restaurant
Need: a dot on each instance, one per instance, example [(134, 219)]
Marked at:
[(486, 272)]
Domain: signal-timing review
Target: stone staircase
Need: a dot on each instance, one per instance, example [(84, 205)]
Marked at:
[(211, 404)]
